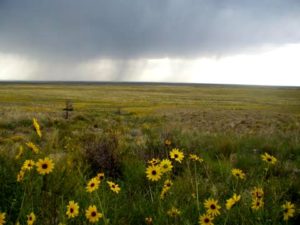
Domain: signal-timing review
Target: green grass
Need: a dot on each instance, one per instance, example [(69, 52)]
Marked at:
[(117, 128)]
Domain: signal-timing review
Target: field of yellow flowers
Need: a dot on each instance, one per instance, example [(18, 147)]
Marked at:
[(80, 171)]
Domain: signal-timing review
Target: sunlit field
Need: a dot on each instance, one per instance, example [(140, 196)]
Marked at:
[(149, 154)]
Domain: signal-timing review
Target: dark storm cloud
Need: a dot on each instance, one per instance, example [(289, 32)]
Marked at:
[(83, 29)]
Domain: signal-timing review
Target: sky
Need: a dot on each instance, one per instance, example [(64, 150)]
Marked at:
[(194, 41)]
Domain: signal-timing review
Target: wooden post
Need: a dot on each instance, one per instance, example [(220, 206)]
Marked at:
[(69, 108)]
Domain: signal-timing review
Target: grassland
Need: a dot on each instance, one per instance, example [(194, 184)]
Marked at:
[(117, 128)]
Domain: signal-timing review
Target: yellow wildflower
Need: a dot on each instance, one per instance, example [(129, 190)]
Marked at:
[(174, 212), (28, 165), (114, 187), (166, 165), (212, 207), (45, 166), (232, 201), (257, 203), (33, 147), (153, 172), (93, 184), (31, 218), (92, 214), (37, 127), (268, 158), (288, 210), (177, 155), (238, 173), (2, 218), (72, 209), (206, 219)]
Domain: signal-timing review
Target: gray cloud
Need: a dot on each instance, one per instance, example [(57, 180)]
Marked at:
[(80, 29), (60, 33)]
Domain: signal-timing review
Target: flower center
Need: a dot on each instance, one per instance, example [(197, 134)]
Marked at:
[(175, 156), (45, 166), (92, 184), (206, 220), (94, 214), (71, 210), (153, 172), (213, 207)]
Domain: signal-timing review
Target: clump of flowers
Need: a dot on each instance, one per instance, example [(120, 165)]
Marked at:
[(288, 210), (93, 184), (72, 209), (154, 172), (232, 201), (114, 187), (92, 214), (268, 158), (238, 173), (257, 198), (177, 155)]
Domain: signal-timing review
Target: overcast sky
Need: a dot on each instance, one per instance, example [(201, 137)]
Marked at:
[(203, 41)]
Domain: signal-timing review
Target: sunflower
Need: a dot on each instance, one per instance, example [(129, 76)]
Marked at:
[(33, 147), (268, 158), (176, 155), (174, 212), (93, 184), (92, 214), (28, 165), (166, 165), (100, 176), (20, 176), (114, 187), (72, 209), (167, 184), (238, 173), (195, 158), (153, 172), (153, 161), (2, 218), (232, 201), (288, 210), (45, 166), (37, 127), (206, 219), (257, 203), (212, 207), (31, 218), (257, 192)]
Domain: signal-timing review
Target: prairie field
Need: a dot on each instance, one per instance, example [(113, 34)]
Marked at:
[(133, 153)]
